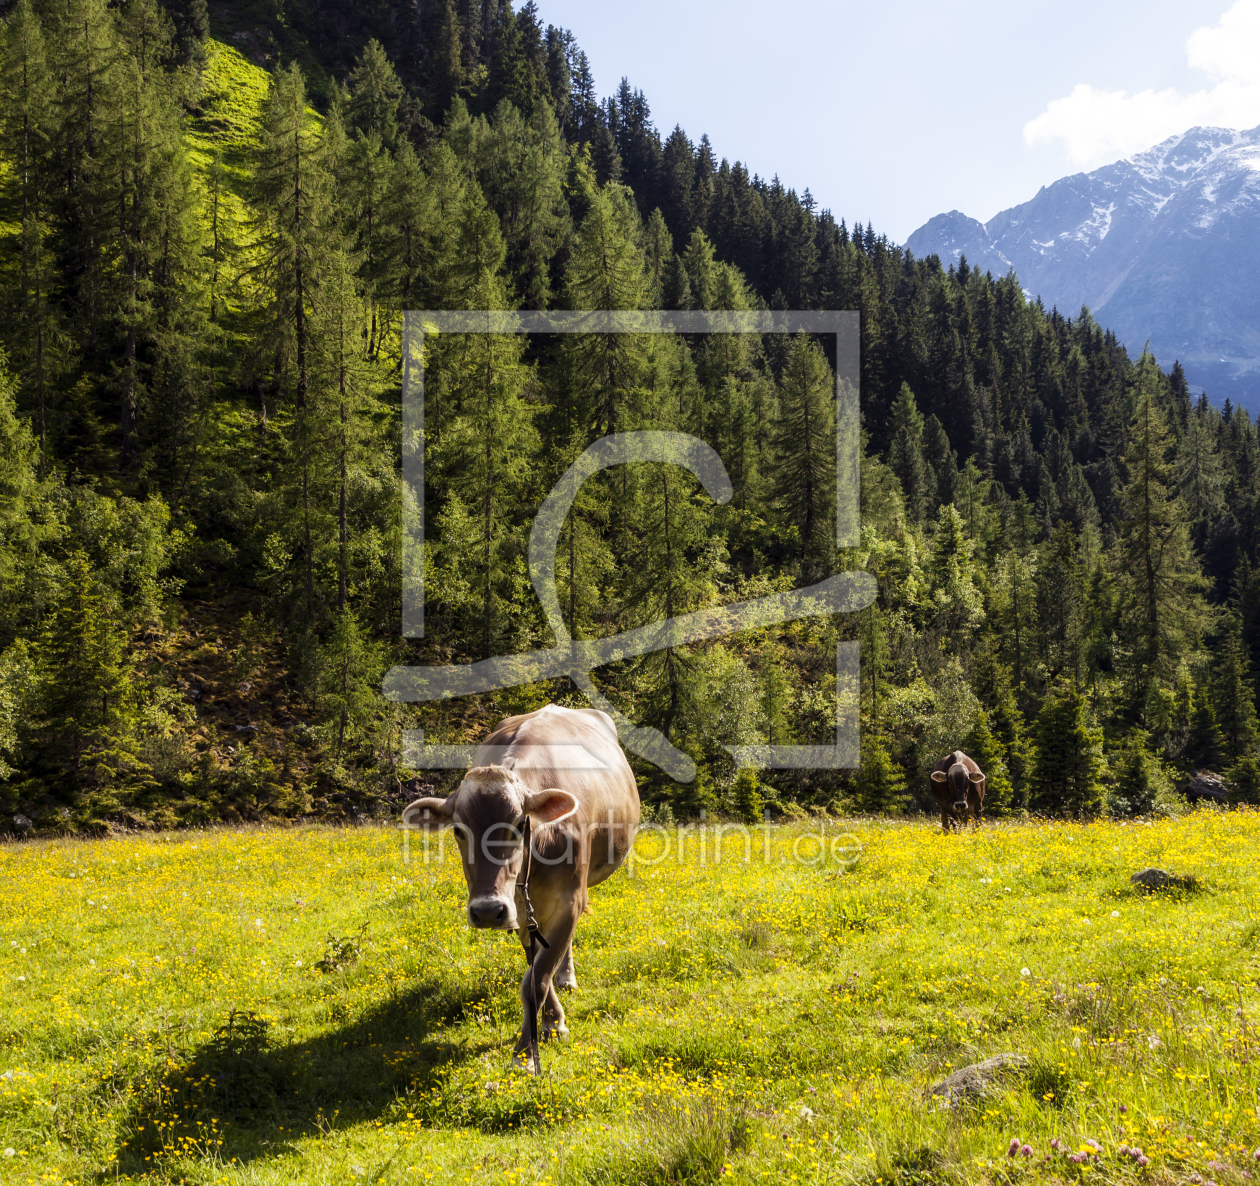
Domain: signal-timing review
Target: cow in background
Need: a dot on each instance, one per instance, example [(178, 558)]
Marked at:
[(957, 785)]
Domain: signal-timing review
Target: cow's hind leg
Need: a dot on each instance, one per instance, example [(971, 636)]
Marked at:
[(566, 977)]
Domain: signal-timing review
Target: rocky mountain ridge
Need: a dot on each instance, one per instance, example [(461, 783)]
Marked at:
[(1162, 246)]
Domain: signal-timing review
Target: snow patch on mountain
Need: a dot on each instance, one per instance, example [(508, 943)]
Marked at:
[(1163, 245)]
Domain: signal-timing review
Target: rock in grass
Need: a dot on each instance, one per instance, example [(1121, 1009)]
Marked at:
[(1158, 879), (22, 824), (977, 1080), (1206, 785)]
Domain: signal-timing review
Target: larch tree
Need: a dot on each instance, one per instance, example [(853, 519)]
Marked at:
[(605, 271), (27, 128), (805, 447), (292, 179)]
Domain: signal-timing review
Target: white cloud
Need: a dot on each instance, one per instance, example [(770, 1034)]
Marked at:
[(1097, 126)]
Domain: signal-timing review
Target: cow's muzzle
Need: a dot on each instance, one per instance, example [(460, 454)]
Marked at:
[(961, 806), (492, 914)]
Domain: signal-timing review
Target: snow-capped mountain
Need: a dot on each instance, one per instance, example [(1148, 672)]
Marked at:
[(1164, 246)]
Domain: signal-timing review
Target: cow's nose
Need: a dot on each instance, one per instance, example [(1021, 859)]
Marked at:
[(488, 912)]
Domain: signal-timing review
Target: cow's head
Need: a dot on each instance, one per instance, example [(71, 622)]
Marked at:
[(959, 780), (487, 813)]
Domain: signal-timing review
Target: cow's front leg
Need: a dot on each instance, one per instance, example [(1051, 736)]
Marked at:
[(945, 819), (558, 930)]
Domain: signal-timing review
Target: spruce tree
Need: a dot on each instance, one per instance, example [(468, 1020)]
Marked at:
[(82, 724), (605, 271), (291, 192), (1062, 605), (27, 125), (983, 747), (905, 455), (489, 450), (1067, 770), (805, 448), (881, 782), (349, 673), (1205, 746), (671, 569), (1233, 696), (1161, 607), (955, 606), (1140, 779), (520, 165), (375, 93)]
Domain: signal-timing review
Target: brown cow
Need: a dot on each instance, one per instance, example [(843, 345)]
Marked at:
[(563, 770), (957, 785)]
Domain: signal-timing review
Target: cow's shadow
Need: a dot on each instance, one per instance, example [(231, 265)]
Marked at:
[(243, 1095)]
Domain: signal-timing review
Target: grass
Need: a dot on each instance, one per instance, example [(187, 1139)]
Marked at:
[(263, 1006)]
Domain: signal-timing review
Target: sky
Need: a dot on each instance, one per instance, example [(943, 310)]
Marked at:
[(892, 112)]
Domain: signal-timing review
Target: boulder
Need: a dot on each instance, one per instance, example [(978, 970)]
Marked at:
[(973, 1082), (1158, 879), (1206, 785), (22, 824)]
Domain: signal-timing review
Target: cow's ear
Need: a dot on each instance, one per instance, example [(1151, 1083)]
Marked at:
[(976, 777), (938, 776), (549, 806), (429, 815)]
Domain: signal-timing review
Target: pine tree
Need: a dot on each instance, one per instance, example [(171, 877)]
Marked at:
[(1066, 776), (905, 455), (988, 753), (1161, 608), (291, 182), (1140, 779), (881, 782), (746, 795), (1062, 605), (605, 271), (490, 445), (1233, 697), (805, 446), (349, 672), (27, 127)]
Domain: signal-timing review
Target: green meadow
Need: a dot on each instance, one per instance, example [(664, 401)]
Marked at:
[(307, 1005)]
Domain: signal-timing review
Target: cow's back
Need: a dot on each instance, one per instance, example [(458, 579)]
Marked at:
[(547, 748)]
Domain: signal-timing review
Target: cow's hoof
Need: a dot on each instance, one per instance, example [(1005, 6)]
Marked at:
[(554, 1031), (522, 1062), (566, 984)]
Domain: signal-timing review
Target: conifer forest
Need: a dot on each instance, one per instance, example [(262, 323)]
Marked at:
[(211, 225)]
